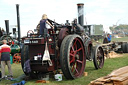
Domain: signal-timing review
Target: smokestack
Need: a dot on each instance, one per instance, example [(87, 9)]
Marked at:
[(7, 26), (18, 21), (80, 13)]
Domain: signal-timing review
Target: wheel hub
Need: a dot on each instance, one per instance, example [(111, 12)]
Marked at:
[(76, 57)]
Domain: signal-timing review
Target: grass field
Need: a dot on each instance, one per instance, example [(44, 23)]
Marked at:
[(109, 66), (120, 39), (115, 39)]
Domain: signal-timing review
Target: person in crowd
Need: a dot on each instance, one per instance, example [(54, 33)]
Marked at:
[(109, 37), (5, 58), (42, 26)]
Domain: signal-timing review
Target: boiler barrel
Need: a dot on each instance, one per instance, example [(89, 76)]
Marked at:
[(15, 48)]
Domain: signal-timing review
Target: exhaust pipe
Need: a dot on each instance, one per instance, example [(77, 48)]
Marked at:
[(7, 26), (80, 7), (18, 21)]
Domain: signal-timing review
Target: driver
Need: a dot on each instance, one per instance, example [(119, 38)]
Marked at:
[(42, 25)]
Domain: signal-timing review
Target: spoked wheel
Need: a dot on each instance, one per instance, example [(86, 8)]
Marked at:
[(6, 37), (17, 58), (72, 57), (29, 33), (105, 40), (98, 57)]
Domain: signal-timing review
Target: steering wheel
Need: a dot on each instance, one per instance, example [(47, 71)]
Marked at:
[(29, 33)]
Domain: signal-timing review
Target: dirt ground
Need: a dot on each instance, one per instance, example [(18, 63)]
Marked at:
[(113, 54)]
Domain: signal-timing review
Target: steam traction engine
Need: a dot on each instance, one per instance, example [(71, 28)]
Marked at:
[(68, 47)]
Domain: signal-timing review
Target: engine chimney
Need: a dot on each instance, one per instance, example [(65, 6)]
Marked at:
[(18, 21), (80, 13), (7, 26)]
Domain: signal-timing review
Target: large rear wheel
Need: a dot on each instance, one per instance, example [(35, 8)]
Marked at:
[(72, 57)]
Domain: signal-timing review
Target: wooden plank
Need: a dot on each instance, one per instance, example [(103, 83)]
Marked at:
[(125, 82), (108, 83), (119, 71), (117, 77), (100, 81), (120, 77), (85, 74), (97, 83), (117, 83)]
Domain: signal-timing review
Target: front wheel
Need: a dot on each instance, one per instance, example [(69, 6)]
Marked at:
[(24, 59), (98, 57), (24, 56), (72, 57)]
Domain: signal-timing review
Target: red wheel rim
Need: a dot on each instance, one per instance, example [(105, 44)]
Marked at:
[(17, 58), (77, 57)]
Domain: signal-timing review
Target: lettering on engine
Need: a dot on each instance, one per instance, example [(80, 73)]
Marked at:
[(33, 41)]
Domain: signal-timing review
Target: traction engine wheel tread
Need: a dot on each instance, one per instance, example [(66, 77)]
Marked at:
[(24, 56), (62, 59), (124, 47)]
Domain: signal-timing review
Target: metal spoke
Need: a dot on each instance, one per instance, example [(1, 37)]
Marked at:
[(79, 49), (79, 61), (72, 54), (71, 61), (76, 71), (73, 67)]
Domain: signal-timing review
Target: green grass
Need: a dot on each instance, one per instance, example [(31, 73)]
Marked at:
[(109, 66), (113, 39), (120, 39)]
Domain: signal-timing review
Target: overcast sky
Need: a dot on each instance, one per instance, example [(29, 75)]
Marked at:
[(105, 12)]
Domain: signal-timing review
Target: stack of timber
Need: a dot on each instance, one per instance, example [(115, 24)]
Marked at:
[(117, 77)]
